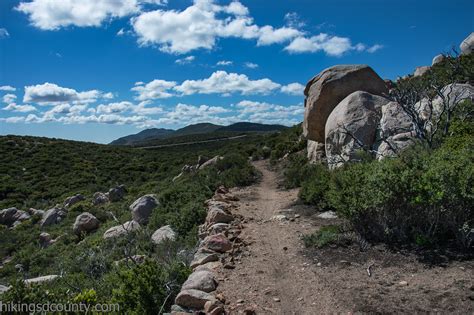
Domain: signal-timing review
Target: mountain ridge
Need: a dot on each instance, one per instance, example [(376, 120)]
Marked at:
[(194, 129)]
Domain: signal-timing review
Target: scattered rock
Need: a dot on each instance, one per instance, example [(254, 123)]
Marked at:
[(116, 193), (202, 280), (194, 299), (41, 279), (217, 215), (53, 216), (279, 217), (218, 243), (201, 160), (45, 239), (3, 288), (211, 266), (211, 162), (201, 258), (328, 215), (329, 88), (218, 228), (13, 216), (162, 234), (99, 198), (467, 45), (122, 230), (36, 212), (419, 71), (214, 307), (143, 207), (70, 201), (85, 223), (438, 59)]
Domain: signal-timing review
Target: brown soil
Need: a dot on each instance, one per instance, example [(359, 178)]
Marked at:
[(277, 275)]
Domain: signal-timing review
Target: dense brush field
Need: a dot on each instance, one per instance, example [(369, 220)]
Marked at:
[(40, 173)]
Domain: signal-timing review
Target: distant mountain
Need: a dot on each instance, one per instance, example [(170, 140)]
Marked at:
[(251, 127), (153, 133), (196, 129)]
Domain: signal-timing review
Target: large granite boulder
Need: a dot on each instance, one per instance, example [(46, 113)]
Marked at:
[(395, 131), (122, 229), (162, 234), (329, 88), (316, 151), (85, 223), (143, 207), (419, 71), (53, 216), (351, 126), (13, 216), (467, 45)]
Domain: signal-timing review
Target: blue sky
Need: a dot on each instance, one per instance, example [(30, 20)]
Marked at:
[(96, 70)]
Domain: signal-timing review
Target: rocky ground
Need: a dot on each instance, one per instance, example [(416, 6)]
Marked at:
[(275, 274)]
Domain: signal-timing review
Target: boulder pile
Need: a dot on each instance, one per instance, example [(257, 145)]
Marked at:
[(348, 108), (219, 244)]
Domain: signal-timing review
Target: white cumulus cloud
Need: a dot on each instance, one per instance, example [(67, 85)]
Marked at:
[(293, 89), (50, 93), (221, 82), (201, 24), (154, 90), (56, 14), (7, 88)]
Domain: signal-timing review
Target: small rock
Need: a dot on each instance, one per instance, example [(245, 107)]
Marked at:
[(85, 222), (218, 243), (45, 240), (142, 208), (162, 234), (201, 258), (69, 202), (99, 198), (53, 216), (202, 280), (217, 215), (328, 215), (41, 279), (194, 299), (122, 230), (116, 193), (276, 299), (240, 301), (11, 216), (279, 217), (403, 283)]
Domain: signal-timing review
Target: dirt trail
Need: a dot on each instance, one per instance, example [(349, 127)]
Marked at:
[(275, 275)]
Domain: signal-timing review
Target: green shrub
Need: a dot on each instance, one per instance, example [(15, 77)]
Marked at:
[(315, 186), (326, 235), (425, 197), (148, 288)]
